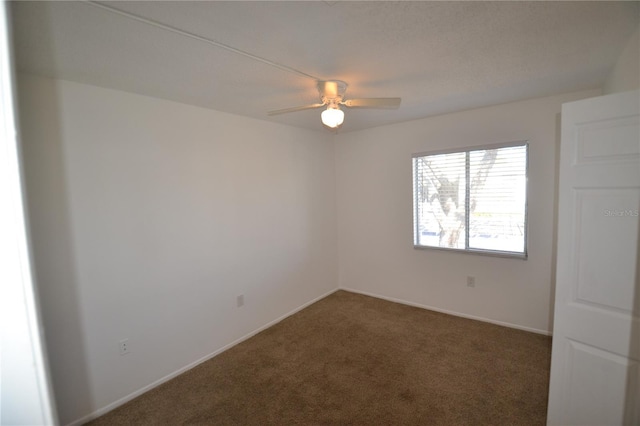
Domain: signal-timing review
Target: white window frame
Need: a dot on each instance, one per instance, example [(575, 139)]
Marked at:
[(510, 254)]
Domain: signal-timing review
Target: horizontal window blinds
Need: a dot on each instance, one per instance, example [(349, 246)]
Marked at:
[(472, 200)]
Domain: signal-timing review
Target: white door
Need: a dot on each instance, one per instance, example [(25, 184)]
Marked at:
[(595, 374)]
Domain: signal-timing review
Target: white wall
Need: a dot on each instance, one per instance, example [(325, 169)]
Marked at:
[(375, 231), (625, 74), (149, 217)]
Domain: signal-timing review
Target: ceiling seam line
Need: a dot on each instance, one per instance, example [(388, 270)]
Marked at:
[(199, 38)]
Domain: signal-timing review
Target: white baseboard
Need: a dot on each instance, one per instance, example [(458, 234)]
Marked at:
[(445, 311), (176, 373)]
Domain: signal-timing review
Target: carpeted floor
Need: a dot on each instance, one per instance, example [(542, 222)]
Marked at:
[(350, 359)]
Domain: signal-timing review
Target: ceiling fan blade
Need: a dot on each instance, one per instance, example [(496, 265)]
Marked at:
[(373, 102), (294, 109)]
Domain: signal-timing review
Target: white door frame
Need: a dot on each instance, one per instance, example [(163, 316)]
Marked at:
[(25, 389)]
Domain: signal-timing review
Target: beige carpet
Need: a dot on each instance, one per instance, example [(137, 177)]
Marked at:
[(356, 360)]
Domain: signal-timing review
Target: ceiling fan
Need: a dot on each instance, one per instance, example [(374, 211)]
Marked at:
[(332, 96)]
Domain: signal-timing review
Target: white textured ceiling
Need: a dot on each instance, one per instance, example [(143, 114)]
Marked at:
[(438, 56)]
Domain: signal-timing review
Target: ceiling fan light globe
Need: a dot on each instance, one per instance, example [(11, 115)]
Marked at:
[(332, 117)]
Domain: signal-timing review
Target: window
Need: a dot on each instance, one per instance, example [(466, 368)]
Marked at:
[(473, 200)]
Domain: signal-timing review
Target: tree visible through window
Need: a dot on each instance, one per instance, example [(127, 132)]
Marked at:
[(473, 200)]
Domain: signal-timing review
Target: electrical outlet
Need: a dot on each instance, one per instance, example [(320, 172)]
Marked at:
[(124, 347), (471, 281), (240, 300)]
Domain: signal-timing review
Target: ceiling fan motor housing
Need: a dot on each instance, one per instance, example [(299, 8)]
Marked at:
[(332, 91)]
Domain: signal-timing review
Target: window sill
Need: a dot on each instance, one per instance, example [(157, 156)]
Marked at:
[(491, 253)]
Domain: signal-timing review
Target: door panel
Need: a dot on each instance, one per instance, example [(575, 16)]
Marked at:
[(594, 366), (608, 140), (606, 247)]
